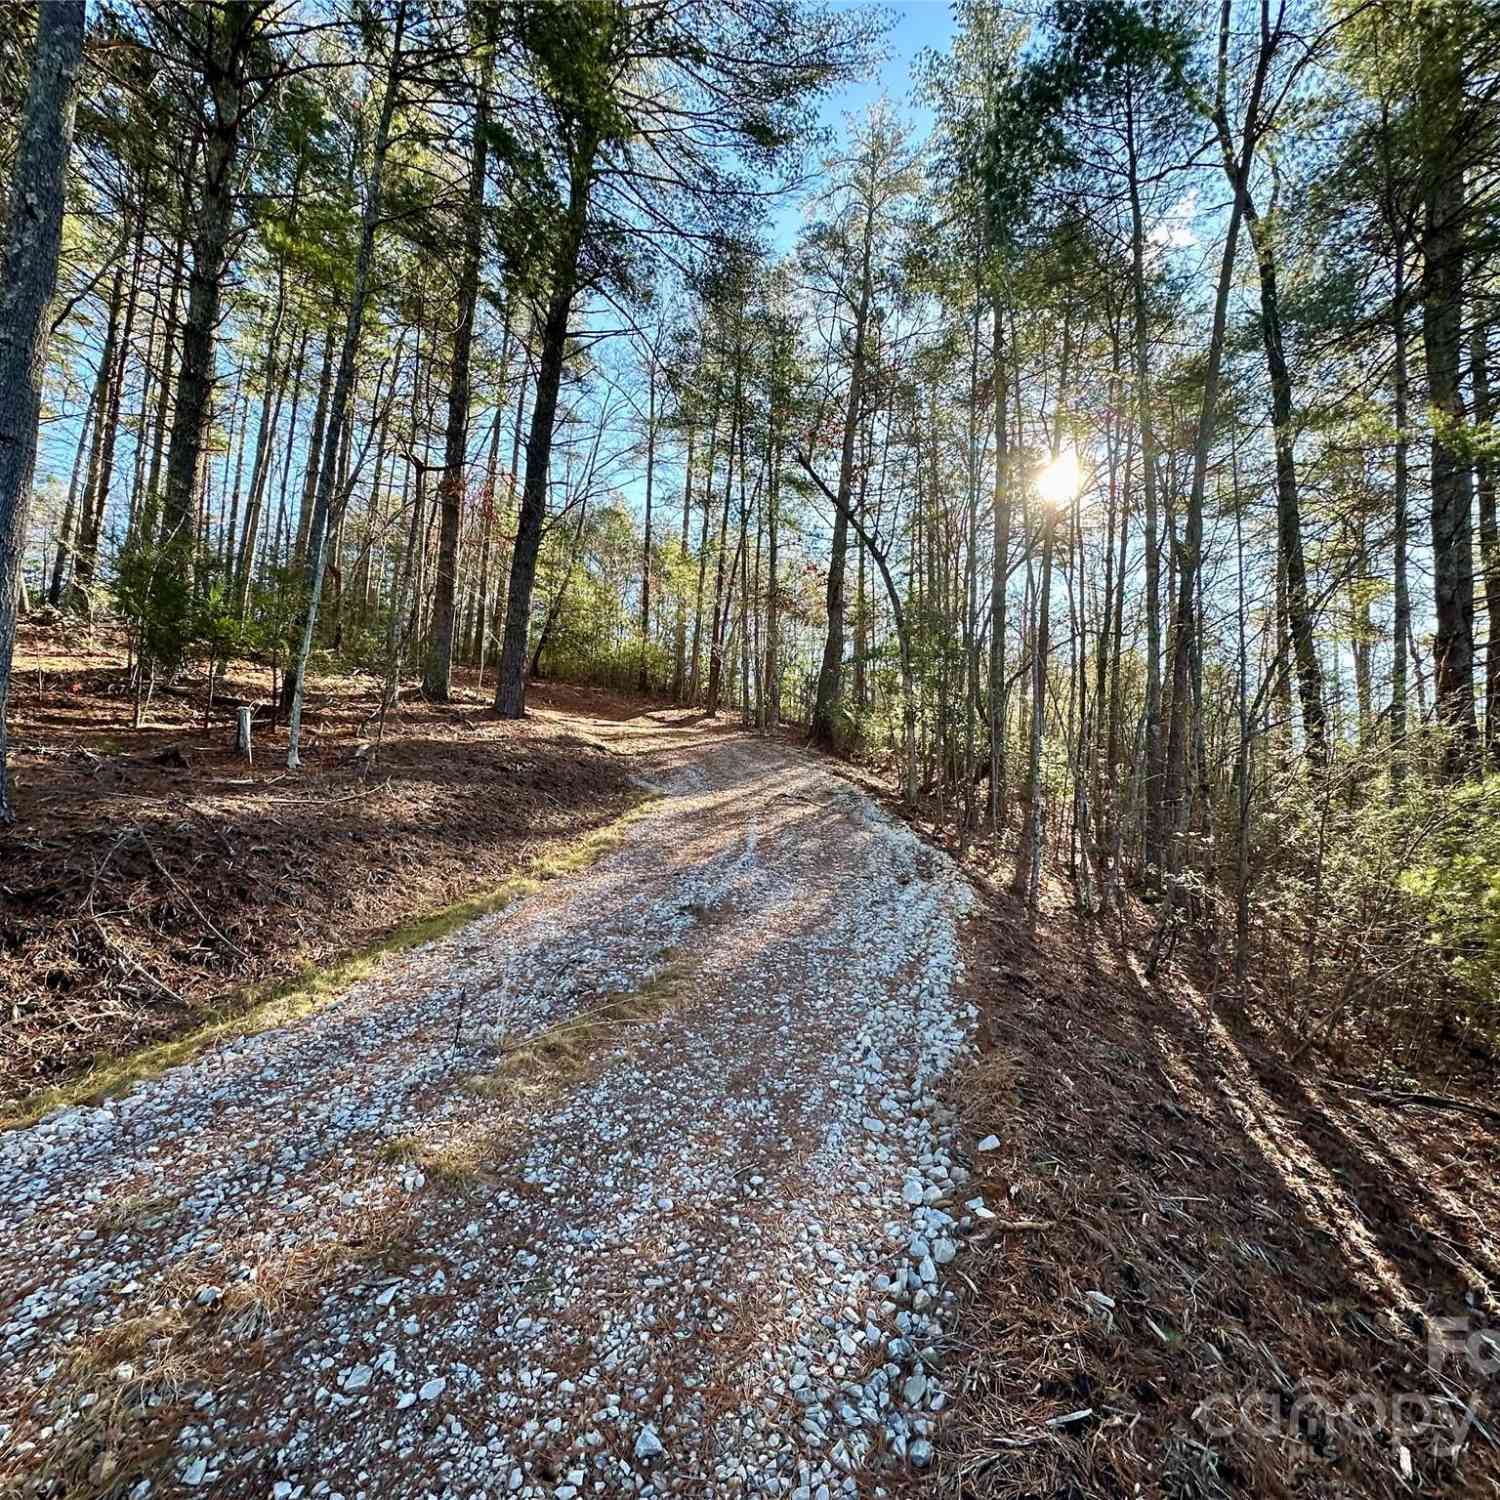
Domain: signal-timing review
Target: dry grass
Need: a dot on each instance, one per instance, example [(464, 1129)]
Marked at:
[(106, 1413), (136, 1211), (278, 1286), (558, 1059), (453, 1164)]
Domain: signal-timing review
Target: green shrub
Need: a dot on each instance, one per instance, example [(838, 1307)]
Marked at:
[(1456, 888)]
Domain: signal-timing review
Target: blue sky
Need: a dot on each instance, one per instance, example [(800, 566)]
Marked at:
[(914, 25), (917, 24)]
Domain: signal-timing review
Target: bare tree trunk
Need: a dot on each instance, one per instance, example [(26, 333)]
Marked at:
[(903, 634), (718, 624), (1185, 621), (479, 615), (679, 668), (86, 540), (224, 58), (315, 448), (999, 575), (273, 392), (343, 385), (1401, 623), (772, 659), (65, 534), (695, 675), (830, 674), (1288, 507), (510, 685), (1154, 820), (1489, 548), (1028, 873), (438, 678), (1452, 491), (643, 681), (230, 515), (151, 513), (34, 225)]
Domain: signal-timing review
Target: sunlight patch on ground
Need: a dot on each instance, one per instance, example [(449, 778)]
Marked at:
[(1322, 1198)]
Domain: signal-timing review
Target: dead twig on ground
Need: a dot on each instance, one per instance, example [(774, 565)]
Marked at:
[(1400, 1098), (354, 796), (171, 880), (104, 937)]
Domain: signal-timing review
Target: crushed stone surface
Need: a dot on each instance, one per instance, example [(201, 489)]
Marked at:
[(714, 1267)]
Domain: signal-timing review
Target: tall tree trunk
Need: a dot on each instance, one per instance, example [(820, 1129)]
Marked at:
[(1452, 491), (1028, 872), (34, 229), (510, 686), (1190, 556), (1489, 548), (282, 532), (643, 680), (343, 386), (151, 515), (830, 673), (226, 94), (999, 573), (102, 454), (479, 614), (772, 664), (229, 510), (437, 680), (716, 637), (1401, 593), (1288, 507), (679, 667), (694, 674), (315, 446), (150, 365), (273, 390), (65, 531), (1155, 819)]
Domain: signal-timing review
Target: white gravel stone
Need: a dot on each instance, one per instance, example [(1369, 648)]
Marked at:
[(767, 1158)]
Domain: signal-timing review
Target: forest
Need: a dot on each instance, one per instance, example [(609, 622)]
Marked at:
[(416, 339), (1073, 418)]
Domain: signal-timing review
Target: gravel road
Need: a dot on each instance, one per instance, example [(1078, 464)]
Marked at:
[(327, 1260)]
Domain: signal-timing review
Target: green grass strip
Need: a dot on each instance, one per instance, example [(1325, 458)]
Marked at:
[(277, 1002)]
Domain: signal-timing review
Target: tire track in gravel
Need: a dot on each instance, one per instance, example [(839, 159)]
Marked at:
[(713, 1269)]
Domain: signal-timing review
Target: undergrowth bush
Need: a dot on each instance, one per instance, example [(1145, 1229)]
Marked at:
[(1456, 891), (1381, 905)]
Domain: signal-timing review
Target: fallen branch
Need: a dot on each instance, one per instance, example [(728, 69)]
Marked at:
[(1400, 1098), (109, 943), (167, 875), (354, 796)]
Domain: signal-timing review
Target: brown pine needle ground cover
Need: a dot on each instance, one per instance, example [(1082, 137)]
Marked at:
[(155, 887), (1221, 1264), (1209, 1273)]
